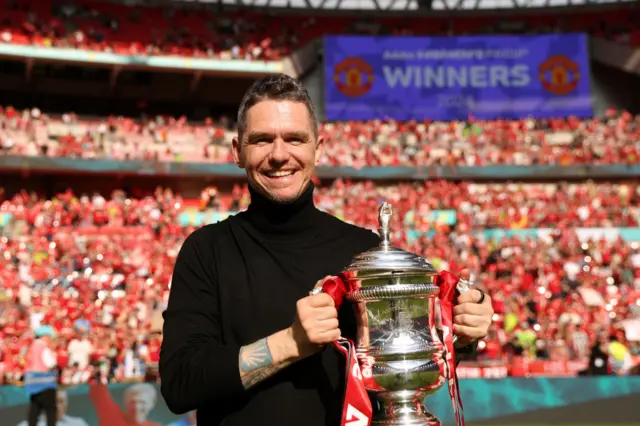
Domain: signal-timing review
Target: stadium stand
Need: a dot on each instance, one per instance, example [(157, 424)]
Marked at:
[(607, 140), (551, 296), (248, 34)]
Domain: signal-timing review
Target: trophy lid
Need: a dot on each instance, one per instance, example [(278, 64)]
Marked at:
[(386, 260)]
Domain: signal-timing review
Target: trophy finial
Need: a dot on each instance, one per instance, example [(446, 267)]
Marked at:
[(384, 218)]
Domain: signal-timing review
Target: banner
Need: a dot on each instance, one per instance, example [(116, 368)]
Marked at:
[(453, 78)]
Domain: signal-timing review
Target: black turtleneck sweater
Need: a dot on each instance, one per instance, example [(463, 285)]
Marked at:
[(238, 281)]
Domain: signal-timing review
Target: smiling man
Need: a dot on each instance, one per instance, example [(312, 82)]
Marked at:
[(244, 343)]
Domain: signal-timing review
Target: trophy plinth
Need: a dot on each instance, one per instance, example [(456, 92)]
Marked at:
[(397, 345)]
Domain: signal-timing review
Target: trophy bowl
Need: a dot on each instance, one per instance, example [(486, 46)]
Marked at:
[(398, 347)]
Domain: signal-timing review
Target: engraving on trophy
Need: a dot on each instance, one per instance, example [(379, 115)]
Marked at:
[(404, 321)]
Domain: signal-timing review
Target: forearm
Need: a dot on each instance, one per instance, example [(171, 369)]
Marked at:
[(263, 359)]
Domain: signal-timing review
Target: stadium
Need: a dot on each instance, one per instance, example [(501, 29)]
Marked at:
[(505, 133)]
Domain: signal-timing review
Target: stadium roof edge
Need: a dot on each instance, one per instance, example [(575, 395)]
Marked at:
[(442, 6)]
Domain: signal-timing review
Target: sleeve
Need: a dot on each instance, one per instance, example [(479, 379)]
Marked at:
[(196, 369), (465, 352)]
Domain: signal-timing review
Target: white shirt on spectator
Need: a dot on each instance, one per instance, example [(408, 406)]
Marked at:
[(35, 320), (79, 352), (24, 294), (131, 365), (572, 269)]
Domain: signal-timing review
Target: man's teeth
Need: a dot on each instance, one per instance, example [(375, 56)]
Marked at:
[(282, 173)]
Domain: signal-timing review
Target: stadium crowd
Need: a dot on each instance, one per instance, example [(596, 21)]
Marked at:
[(611, 139), (98, 270), (250, 35)]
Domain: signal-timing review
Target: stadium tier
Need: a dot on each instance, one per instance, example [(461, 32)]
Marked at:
[(611, 139), (552, 295), (256, 35)]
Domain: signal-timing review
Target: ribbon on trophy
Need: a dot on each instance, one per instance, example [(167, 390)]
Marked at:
[(356, 404), (356, 407), (448, 282)]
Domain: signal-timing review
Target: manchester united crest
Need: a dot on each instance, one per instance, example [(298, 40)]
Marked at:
[(559, 75), (353, 77)]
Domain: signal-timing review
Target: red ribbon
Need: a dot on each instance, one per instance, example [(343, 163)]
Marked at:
[(447, 282), (357, 410)]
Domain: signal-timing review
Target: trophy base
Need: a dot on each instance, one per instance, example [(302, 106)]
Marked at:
[(405, 415)]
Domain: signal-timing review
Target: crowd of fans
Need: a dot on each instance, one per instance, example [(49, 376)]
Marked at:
[(255, 35), (611, 139), (98, 270)]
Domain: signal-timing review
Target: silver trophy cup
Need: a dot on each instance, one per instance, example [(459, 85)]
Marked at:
[(398, 346)]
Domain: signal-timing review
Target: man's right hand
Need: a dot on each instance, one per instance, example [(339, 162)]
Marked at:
[(316, 323)]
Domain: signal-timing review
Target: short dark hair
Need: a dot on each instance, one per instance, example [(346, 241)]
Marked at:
[(277, 87)]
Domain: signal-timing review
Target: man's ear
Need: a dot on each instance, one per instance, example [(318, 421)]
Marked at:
[(319, 149), (237, 152)]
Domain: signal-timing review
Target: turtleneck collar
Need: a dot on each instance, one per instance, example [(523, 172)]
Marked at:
[(270, 217)]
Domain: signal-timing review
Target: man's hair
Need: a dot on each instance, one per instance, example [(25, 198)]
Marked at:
[(278, 87), (145, 389)]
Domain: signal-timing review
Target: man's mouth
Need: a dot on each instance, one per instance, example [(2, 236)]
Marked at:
[(280, 174)]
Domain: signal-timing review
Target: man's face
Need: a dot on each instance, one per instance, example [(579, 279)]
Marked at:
[(278, 150), (138, 407)]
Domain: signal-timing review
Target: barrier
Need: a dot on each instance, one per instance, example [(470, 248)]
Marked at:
[(524, 400), (521, 368), (584, 234), (155, 168)]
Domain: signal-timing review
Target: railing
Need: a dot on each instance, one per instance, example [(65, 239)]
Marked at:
[(157, 168)]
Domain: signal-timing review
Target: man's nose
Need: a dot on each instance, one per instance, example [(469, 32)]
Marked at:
[(279, 152)]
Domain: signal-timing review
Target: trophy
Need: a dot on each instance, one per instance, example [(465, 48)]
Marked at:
[(398, 347)]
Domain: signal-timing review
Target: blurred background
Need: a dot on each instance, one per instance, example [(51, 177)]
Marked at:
[(505, 133)]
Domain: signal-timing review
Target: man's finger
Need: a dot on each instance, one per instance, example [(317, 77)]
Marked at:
[(467, 320), (472, 296), (478, 321), (467, 331), (465, 274), (321, 300), (320, 282), (470, 308)]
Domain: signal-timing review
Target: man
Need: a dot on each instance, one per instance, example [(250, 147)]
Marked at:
[(63, 419), (40, 379), (244, 343), (599, 362)]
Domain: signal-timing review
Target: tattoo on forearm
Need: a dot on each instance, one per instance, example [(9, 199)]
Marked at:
[(256, 363)]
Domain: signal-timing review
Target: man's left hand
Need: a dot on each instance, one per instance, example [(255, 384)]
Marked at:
[(471, 320)]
